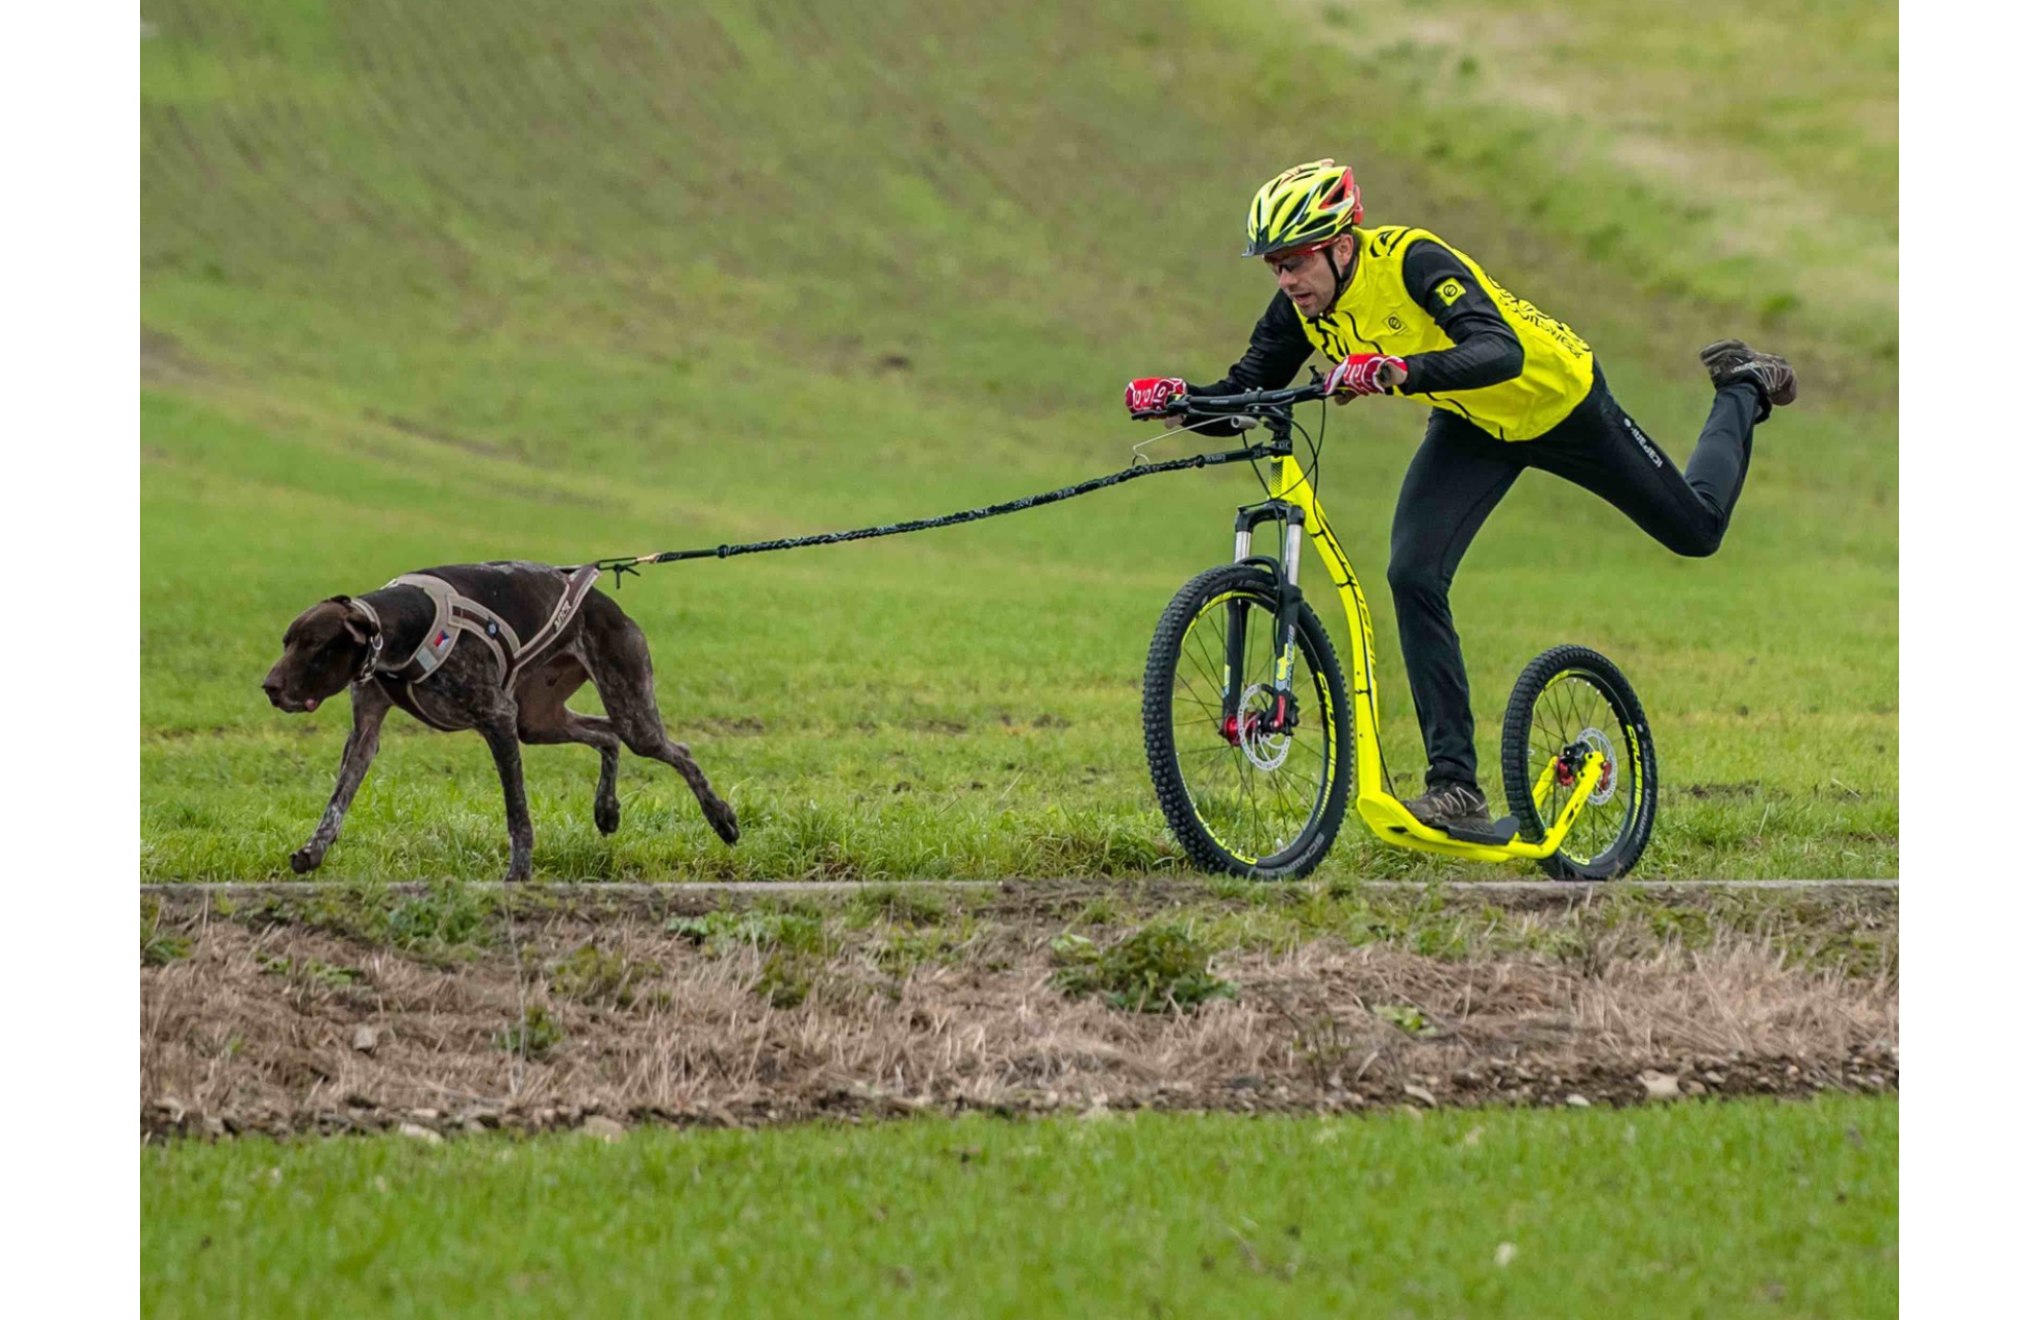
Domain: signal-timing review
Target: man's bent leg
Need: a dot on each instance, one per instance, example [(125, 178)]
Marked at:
[(1721, 459), (1457, 477), (1602, 448)]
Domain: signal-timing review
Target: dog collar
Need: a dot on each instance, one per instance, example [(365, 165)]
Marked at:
[(375, 643)]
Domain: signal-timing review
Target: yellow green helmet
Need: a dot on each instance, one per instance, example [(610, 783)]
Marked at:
[(1302, 207)]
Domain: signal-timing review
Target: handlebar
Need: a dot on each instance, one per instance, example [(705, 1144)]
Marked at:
[(1251, 403)]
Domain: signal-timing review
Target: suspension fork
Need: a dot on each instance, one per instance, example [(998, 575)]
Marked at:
[(1289, 600)]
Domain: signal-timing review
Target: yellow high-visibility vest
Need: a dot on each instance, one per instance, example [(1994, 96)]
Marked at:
[(1377, 315)]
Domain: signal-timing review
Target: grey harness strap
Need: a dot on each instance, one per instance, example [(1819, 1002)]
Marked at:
[(580, 582), (454, 614)]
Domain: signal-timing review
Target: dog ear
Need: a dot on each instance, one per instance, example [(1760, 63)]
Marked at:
[(352, 621)]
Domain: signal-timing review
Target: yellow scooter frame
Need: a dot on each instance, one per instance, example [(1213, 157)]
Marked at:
[(1390, 820)]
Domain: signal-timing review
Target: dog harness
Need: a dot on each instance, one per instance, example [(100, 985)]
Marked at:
[(454, 614)]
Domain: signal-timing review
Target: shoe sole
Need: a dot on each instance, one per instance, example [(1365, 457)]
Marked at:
[(1453, 822)]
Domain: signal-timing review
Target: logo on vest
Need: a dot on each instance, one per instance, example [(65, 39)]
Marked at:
[(1449, 292), (1395, 324)]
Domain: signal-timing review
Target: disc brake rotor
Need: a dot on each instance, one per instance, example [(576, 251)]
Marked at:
[(1605, 790), (1265, 748)]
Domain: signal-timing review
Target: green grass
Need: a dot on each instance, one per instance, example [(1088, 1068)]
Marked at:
[(424, 284), (1749, 160), (1704, 1210)]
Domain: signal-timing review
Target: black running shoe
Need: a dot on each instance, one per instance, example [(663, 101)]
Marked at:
[(1452, 806), (1773, 375), (1730, 361), (1722, 357)]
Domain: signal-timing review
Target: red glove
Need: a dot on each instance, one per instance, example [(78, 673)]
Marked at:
[(1361, 374), (1147, 396)]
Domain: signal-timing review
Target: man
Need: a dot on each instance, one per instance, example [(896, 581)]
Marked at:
[(1401, 312)]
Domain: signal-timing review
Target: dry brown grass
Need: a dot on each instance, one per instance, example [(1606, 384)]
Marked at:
[(260, 1028)]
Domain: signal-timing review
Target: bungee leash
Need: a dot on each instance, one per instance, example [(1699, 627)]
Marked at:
[(621, 564)]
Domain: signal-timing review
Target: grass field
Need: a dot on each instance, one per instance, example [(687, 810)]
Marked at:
[(425, 284), (1710, 1211)]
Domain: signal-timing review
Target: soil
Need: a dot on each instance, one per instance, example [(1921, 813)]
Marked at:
[(321, 1014)]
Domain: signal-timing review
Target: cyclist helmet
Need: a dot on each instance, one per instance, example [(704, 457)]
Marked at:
[(1306, 206)]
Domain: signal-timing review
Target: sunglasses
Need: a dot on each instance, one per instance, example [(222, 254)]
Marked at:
[(1289, 258)]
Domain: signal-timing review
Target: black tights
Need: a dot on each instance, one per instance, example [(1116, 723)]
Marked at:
[(1461, 472)]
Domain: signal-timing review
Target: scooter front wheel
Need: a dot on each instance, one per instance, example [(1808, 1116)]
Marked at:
[(1260, 793)]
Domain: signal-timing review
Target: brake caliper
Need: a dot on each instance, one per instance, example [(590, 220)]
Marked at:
[(1273, 722)]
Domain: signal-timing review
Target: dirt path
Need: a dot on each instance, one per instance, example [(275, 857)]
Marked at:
[(315, 1009)]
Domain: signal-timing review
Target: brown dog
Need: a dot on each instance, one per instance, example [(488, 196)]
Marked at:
[(445, 645)]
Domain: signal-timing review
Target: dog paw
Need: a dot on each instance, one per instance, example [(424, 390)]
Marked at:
[(305, 860), (608, 815), (723, 820)]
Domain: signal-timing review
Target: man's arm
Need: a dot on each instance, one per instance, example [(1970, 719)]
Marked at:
[(1277, 348), (1485, 350)]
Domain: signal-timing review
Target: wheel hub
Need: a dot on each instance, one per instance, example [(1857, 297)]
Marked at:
[(1595, 740), (1260, 732)]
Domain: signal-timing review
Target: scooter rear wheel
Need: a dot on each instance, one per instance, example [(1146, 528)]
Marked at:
[(1570, 701)]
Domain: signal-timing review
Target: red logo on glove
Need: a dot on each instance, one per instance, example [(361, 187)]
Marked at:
[(1147, 396), (1361, 374)]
